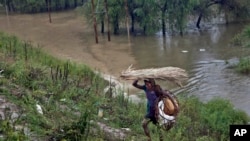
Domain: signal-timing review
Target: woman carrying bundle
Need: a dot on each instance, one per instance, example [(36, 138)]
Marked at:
[(152, 92), (162, 107)]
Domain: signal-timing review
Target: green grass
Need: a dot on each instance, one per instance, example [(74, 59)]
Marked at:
[(70, 95), (244, 65), (242, 38)]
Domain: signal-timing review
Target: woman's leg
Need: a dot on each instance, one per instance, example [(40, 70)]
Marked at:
[(145, 123)]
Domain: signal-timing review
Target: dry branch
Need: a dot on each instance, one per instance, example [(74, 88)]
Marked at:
[(172, 74)]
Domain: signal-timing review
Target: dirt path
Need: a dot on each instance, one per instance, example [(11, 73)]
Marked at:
[(70, 37)]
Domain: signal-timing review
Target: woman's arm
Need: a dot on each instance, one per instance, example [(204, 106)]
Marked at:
[(135, 84)]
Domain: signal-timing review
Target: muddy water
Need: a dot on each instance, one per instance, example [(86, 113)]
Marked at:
[(211, 44), (202, 53), (207, 56), (215, 78)]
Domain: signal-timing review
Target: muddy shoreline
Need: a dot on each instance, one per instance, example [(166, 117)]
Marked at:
[(69, 37)]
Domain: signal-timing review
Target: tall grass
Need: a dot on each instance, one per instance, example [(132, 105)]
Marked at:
[(70, 95), (242, 38), (66, 91), (244, 65)]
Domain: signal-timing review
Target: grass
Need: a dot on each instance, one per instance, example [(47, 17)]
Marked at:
[(242, 38), (243, 66), (70, 95), (65, 91)]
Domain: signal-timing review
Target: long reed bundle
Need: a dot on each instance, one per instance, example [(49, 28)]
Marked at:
[(172, 74)]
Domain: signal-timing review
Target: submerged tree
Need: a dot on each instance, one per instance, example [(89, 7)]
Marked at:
[(116, 13), (238, 8), (163, 6), (146, 15)]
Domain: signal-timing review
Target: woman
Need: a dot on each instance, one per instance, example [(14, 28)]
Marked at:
[(152, 92)]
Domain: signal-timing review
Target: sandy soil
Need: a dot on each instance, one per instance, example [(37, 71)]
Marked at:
[(70, 37)]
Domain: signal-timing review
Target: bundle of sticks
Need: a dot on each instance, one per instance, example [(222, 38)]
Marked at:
[(172, 74)]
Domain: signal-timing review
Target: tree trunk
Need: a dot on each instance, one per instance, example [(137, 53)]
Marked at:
[(106, 7), (102, 26), (226, 18), (9, 5), (163, 24), (66, 4), (94, 19), (48, 3), (75, 3), (144, 29), (199, 20), (127, 19), (116, 25), (132, 23)]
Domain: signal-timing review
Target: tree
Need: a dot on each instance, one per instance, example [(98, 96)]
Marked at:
[(163, 6), (34, 6), (239, 8), (175, 12), (116, 12), (171, 15), (132, 5), (146, 15), (48, 4), (182, 8)]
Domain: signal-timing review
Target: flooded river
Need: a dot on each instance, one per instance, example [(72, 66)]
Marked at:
[(205, 54)]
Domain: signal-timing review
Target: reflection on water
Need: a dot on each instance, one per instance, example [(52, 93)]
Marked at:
[(210, 79), (169, 51), (216, 79)]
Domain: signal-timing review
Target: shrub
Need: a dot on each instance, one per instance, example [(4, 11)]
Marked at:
[(244, 65)]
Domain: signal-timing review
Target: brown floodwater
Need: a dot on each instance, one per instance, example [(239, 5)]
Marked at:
[(207, 56), (202, 53)]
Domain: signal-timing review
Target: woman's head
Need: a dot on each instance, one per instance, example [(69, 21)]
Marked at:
[(150, 83)]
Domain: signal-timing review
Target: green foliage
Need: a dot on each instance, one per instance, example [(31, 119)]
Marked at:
[(122, 113), (34, 6), (242, 38), (244, 65), (177, 12), (219, 114), (62, 88), (8, 130), (232, 9), (246, 32), (237, 40), (144, 15), (238, 8), (77, 131), (10, 133), (205, 121), (204, 138)]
